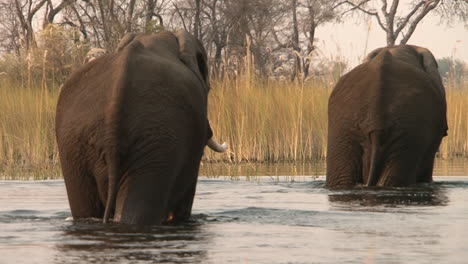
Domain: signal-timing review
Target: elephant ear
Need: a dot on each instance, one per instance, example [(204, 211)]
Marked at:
[(429, 65), (372, 55), (193, 55), (125, 41), (428, 62)]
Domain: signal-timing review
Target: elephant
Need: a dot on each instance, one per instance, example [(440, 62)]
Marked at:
[(131, 127), (386, 120)]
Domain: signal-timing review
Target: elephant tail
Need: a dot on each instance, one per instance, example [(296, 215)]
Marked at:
[(373, 176), (112, 161), (112, 154), (113, 120)]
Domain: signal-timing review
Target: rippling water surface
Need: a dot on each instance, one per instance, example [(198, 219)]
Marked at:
[(261, 220)]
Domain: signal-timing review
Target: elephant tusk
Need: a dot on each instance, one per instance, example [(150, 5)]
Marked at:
[(214, 145)]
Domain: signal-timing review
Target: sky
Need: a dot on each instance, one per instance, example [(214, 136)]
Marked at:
[(349, 39)]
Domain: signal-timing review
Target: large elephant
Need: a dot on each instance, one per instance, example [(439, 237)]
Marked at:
[(131, 127), (386, 119)]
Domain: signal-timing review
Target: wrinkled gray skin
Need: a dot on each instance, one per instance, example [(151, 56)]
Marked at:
[(131, 127), (387, 118)]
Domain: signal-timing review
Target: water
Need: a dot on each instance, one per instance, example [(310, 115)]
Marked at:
[(261, 220), (457, 166)]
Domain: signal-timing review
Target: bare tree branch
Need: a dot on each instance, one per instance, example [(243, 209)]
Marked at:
[(429, 5), (393, 8), (180, 15), (401, 25), (54, 11), (368, 12), (131, 8)]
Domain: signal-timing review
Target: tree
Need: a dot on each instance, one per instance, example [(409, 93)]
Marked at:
[(52, 11), (187, 14), (457, 9), (105, 22), (9, 28), (225, 25), (307, 16), (25, 11), (256, 20), (318, 12), (153, 8), (394, 24), (218, 29), (295, 42)]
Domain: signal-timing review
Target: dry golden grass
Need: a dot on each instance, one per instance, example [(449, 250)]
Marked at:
[(269, 120), (27, 135), (262, 121), (456, 143), (284, 121)]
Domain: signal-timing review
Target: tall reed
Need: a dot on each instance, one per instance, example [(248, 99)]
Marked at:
[(262, 121), (27, 135), (456, 142), (270, 121)]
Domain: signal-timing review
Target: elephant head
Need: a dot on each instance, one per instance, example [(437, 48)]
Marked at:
[(417, 56), (193, 55)]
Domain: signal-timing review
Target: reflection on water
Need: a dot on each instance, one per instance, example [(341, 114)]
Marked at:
[(93, 242), (424, 195), (451, 167), (315, 168), (442, 167)]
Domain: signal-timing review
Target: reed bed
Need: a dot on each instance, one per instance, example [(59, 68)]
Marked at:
[(269, 121), (261, 120), (27, 135), (456, 142)]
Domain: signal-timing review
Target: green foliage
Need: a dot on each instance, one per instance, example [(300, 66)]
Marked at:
[(57, 54), (153, 26)]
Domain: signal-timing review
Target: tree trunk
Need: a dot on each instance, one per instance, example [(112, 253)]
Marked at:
[(196, 26), (295, 43), (26, 22), (217, 58), (150, 4), (106, 28), (131, 7), (310, 45)]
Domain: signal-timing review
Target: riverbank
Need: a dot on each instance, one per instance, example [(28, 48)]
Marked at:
[(457, 166)]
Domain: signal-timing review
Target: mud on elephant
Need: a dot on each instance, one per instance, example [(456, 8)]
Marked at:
[(387, 118), (131, 127)]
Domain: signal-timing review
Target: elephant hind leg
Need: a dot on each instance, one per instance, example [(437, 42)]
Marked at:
[(182, 199), (344, 163), (411, 160), (426, 167), (427, 163), (143, 196), (180, 208), (83, 194), (402, 164)]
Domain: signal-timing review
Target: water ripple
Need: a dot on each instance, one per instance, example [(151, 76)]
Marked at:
[(249, 222)]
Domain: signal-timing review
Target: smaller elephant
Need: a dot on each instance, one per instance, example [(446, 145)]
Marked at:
[(386, 119)]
